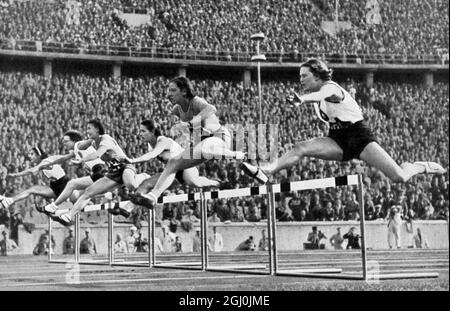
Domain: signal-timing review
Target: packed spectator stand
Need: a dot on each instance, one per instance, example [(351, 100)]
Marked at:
[(405, 31), (410, 121)]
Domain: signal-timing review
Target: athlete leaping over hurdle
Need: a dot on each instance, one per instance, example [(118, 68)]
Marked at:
[(215, 141), (348, 138)]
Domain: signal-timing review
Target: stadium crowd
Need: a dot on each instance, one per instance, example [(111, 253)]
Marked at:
[(404, 27), (410, 121)]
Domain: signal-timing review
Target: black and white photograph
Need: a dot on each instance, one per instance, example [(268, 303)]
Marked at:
[(223, 152)]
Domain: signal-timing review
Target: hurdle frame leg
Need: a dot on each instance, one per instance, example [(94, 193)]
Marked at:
[(272, 224), (203, 231), (362, 225), (143, 263), (201, 266)]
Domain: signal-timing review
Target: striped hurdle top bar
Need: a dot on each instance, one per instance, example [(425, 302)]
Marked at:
[(349, 180)]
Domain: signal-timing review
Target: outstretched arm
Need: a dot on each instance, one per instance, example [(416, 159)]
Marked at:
[(32, 170), (163, 144), (57, 160), (328, 92), (83, 144)]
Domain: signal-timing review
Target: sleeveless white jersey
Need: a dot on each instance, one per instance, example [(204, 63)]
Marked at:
[(339, 107), (55, 172), (174, 150), (113, 150), (83, 153)]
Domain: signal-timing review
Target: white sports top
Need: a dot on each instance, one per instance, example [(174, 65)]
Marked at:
[(55, 172), (174, 150), (82, 153), (113, 154), (338, 106)]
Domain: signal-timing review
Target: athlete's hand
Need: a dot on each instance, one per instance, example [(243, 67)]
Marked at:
[(294, 100)]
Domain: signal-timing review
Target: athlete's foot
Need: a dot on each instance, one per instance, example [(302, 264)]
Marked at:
[(50, 209), (431, 167), (239, 155), (5, 202), (146, 200), (255, 172), (117, 210), (64, 219)]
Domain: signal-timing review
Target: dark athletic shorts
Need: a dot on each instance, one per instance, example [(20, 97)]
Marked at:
[(58, 185), (98, 171), (352, 139), (179, 177), (115, 172)]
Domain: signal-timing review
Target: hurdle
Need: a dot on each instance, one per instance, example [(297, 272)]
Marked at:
[(272, 268), (111, 259)]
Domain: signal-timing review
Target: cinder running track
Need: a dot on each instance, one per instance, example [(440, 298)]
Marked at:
[(35, 273)]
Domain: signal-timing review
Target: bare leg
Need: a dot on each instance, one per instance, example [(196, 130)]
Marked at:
[(143, 188), (43, 191), (99, 187), (74, 184), (322, 147), (192, 178), (131, 179), (375, 156)]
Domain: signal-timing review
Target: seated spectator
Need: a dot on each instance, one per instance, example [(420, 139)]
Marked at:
[(43, 247), (214, 218), (327, 212), (247, 245), (377, 213), (188, 220)]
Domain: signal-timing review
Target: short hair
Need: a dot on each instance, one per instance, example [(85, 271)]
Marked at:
[(74, 135), (152, 126), (98, 125), (183, 83), (318, 68), (37, 148)]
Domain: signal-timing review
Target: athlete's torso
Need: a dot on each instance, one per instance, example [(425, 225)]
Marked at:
[(339, 108), (174, 150), (55, 172), (210, 123), (114, 153), (84, 153)]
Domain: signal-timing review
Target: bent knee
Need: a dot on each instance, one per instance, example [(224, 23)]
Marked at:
[(398, 176), (301, 148), (172, 164)]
